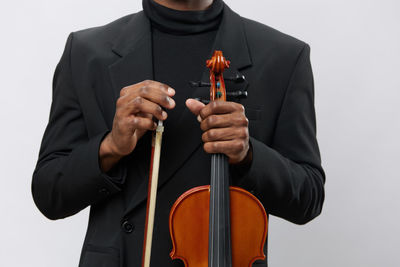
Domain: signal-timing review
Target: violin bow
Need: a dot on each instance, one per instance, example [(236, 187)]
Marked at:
[(152, 193)]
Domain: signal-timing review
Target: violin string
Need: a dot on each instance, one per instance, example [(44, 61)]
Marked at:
[(219, 242)]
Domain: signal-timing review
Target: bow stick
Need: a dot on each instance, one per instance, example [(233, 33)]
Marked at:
[(152, 193)]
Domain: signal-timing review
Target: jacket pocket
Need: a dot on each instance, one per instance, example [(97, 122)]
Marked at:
[(95, 256)]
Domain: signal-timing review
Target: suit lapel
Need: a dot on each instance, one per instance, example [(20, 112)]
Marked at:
[(135, 48)]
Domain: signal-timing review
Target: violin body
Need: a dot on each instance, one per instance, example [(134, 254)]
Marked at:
[(189, 227)]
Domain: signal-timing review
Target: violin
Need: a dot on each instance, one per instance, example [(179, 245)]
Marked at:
[(218, 225)]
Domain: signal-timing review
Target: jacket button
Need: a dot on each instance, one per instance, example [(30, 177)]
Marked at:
[(127, 226)]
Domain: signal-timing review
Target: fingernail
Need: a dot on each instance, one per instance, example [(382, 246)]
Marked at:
[(170, 101), (164, 114), (171, 91), (199, 118)]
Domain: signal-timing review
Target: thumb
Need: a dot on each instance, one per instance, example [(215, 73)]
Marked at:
[(194, 106)]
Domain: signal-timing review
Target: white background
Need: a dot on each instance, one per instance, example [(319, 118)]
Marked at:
[(356, 60)]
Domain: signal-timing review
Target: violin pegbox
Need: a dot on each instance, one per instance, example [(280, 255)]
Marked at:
[(217, 64)]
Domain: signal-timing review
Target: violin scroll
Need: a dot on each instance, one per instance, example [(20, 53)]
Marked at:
[(217, 64)]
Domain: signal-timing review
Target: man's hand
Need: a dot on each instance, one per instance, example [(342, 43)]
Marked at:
[(225, 129), (136, 109)]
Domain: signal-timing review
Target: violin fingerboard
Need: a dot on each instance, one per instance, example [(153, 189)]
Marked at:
[(220, 252)]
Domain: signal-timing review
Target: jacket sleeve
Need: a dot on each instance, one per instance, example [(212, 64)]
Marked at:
[(68, 177), (287, 176)]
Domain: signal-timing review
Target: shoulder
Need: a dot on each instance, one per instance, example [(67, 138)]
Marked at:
[(107, 31), (264, 33), (98, 39), (265, 41), (89, 50)]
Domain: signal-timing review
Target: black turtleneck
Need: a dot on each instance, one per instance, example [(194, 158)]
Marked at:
[(183, 22), (182, 41)]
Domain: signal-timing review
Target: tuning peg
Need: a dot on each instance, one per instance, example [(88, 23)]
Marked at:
[(238, 78), (237, 94), (199, 84)]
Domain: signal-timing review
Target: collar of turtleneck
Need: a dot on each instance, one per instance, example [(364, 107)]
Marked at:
[(183, 22)]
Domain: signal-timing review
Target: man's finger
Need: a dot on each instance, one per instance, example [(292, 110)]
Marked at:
[(225, 134), (220, 107), (156, 92), (194, 106), (140, 123), (140, 104), (228, 148), (148, 83), (235, 119)]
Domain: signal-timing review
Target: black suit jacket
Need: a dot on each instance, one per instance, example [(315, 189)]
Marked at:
[(285, 173)]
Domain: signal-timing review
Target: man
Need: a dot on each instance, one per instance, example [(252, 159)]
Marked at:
[(113, 82)]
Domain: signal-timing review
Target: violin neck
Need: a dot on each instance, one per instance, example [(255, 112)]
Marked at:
[(219, 249)]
